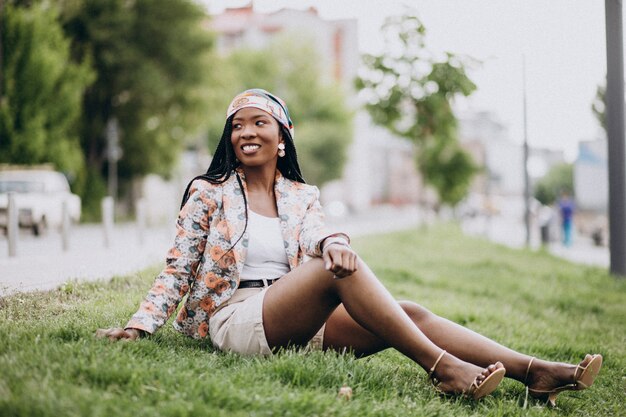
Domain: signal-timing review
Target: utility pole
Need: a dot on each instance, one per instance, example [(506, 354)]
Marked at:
[(615, 134), (526, 151)]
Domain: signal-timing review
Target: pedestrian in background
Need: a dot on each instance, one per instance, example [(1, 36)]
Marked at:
[(566, 207), (545, 216)]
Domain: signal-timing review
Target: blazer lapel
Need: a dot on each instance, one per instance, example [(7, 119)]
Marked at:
[(235, 216), (290, 217)]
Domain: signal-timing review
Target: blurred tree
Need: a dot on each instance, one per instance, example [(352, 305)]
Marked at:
[(291, 71), (152, 60), (449, 169), (40, 92), (409, 91), (560, 178)]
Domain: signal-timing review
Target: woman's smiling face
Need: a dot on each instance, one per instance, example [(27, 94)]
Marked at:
[(255, 137)]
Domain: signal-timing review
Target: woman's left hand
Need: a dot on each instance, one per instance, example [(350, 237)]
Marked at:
[(340, 259)]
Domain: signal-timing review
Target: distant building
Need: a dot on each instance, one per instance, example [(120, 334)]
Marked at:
[(335, 40), (501, 184), (487, 140), (591, 182), (541, 160), (376, 160)]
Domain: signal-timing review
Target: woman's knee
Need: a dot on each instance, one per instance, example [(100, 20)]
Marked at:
[(416, 312), (310, 277)]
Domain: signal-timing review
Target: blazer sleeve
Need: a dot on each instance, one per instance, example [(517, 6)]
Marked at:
[(314, 230), (192, 227)]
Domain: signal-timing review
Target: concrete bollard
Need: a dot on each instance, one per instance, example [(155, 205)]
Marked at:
[(141, 219), (107, 220), (12, 224), (65, 226)]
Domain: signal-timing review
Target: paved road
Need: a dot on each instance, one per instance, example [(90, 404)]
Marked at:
[(513, 234), (41, 264)]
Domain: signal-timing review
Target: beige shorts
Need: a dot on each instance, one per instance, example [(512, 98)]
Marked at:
[(237, 326)]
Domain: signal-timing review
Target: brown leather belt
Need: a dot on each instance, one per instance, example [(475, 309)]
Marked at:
[(257, 283)]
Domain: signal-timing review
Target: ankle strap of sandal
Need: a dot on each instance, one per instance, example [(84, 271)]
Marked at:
[(526, 382), (430, 372), (528, 370)]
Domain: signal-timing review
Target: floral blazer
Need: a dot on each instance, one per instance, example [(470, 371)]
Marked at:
[(200, 263)]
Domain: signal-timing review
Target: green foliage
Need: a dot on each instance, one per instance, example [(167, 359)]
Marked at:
[(41, 91), (449, 169), (92, 187), (530, 301), (152, 60), (147, 63), (599, 105), (409, 91), (559, 179), (290, 70)]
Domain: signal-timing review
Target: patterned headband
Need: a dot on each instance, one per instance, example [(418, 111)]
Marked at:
[(265, 101)]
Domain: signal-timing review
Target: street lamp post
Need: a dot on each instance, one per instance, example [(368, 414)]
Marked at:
[(615, 133), (526, 152)]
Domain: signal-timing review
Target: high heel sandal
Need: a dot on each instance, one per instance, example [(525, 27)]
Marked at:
[(583, 381), (475, 390)]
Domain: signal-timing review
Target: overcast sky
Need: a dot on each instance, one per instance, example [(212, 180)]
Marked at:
[(563, 42)]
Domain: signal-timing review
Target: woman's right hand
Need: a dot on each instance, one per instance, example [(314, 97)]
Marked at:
[(117, 333)]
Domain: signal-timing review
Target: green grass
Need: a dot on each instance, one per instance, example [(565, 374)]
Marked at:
[(51, 365)]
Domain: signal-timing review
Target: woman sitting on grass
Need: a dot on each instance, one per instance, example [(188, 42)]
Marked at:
[(242, 234)]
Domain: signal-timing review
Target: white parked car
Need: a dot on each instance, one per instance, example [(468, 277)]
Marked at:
[(39, 197)]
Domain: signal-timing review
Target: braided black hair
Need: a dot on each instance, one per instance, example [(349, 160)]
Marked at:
[(288, 165)]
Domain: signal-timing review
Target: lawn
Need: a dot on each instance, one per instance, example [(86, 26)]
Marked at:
[(51, 365)]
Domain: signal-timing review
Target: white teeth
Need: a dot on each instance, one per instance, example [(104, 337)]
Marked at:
[(250, 147)]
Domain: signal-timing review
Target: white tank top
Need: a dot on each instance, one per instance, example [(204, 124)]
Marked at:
[(266, 256)]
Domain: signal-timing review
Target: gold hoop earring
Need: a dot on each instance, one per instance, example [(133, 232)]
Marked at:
[(281, 150)]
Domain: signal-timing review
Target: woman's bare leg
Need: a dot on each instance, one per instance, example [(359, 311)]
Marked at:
[(297, 306), (342, 332)]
